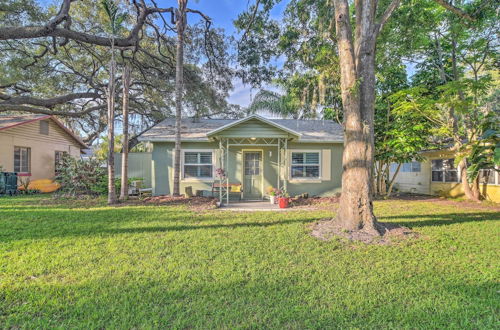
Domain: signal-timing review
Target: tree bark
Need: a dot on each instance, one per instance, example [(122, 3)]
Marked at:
[(124, 178), (111, 130), (357, 66), (468, 191), (180, 25), (391, 184)]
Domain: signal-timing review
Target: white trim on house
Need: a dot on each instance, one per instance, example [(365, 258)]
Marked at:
[(264, 120), (319, 179), (183, 151)]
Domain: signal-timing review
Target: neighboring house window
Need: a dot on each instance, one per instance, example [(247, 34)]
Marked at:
[(58, 159), (198, 164), (409, 167), (444, 170), (22, 159), (305, 165), (44, 127), (487, 176)]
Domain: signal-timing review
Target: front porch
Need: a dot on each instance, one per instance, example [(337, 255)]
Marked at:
[(250, 164)]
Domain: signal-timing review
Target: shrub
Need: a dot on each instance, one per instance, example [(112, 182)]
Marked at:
[(81, 177)]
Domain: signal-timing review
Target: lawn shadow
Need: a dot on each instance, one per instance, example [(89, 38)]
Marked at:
[(441, 219), (52, 223)]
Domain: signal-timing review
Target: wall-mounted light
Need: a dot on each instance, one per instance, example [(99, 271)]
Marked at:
[(253, 139), (270, 153)]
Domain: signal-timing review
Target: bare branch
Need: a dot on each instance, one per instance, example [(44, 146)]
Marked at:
[(386, 15), (455, 10), (48, 103), (25, 108), (252, 19)]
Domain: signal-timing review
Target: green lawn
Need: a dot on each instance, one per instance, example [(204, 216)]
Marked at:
[(69, 266)]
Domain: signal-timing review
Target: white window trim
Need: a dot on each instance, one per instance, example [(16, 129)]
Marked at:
[(305, 179), (444, 172), (28, 149), (211, 179)]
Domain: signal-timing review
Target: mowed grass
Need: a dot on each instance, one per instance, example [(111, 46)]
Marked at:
[(71, 265)]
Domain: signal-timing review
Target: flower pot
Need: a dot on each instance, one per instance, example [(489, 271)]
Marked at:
[(272, 199), (283, 202)]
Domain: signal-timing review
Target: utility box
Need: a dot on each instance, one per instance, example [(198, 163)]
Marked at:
[(8, 183)]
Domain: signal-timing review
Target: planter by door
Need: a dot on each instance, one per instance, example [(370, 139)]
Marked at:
[(283, 202), (272, 199)]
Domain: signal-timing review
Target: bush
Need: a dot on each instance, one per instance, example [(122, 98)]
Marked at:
[(81, 177)]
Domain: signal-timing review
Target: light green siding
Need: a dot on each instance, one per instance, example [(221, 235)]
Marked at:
[(253, 128), (325, 187), (139, 166), (162, 168)]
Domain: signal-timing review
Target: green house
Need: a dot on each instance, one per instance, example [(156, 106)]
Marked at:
[(249, 155)]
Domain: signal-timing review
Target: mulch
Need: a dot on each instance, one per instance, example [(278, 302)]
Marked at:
[(195, 203), (327, 229), (316, 202)]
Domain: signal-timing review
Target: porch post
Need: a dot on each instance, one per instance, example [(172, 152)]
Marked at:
[(279, 162), (286, 164), (227, 171), (221, 164)]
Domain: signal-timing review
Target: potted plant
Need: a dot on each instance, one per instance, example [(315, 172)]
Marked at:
[(272, 192), (283, 200)]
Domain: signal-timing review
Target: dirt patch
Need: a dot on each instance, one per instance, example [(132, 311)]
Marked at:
[(194, 203), (326, 229), (316, 202)]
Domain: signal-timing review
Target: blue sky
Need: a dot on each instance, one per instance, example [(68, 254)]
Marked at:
[(222, 13)]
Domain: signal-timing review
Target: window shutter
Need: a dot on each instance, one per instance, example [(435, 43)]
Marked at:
[(326, 164)]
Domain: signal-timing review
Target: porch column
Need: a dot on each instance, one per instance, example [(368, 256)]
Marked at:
[(286, 165), (221, 164), (226, 170), (279, 163)]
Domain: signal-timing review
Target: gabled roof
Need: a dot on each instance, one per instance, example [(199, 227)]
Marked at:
[(260, 118), (10, 121), (312, 131)]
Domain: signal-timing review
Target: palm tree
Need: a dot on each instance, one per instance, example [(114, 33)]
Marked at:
[(115, 21), (124, 172)]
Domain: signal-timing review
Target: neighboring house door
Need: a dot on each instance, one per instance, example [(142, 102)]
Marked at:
[(252, 175)]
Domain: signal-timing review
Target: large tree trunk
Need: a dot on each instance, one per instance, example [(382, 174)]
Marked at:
[(180, 25), (111, 130), (357, 67), (470, 193), (126, 87)]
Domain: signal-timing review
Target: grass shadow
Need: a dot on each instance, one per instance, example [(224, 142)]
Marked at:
[(441, 219)]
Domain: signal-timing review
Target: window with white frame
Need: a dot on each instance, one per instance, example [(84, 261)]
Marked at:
[(414, 167), (305, 165), (198, 164), (444, 170), (22, 159)]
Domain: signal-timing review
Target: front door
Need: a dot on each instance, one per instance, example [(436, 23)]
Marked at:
[(252, 175)]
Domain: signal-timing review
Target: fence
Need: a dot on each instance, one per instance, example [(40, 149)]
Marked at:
[(139, 166)]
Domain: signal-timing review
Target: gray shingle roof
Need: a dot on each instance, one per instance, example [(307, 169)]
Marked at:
[(310, 130)]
